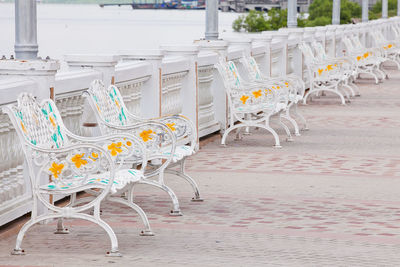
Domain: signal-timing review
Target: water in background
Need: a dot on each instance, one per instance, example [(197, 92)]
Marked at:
[(64, 29)]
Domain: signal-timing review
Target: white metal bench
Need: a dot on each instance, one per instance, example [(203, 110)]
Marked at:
[(251, 104), (324, 75), (367, 60), (347, 65), (292, 83), (113, 116), (74, 164)]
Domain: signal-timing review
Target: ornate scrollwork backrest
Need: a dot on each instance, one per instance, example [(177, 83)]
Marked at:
[(39, 125), (348, 44), (50, 149), (234, 78), (251, 67), (307, 52), (109, 103), (320, 51), (356, 42)]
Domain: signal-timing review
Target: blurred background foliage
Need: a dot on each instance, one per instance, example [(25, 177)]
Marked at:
[(320, 14)]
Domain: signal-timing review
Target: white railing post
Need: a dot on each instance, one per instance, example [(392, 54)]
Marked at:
[(265, 39), (330, 40), (105, 65), (294, 39), (150, 104), (280, 43), (217, 87), (42, 72), (190, 84)]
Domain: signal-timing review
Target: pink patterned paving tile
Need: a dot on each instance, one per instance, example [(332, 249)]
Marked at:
[(330, 223), (387, 234), (241, 222), (294, 227), (362, 234), (392, 226)]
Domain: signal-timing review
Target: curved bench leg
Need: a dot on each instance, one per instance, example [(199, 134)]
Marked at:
[(372, 74), (346, 95), (176, 211), (227, 131), (181, 173), (296, 112), (284, 126), (274, 134), (329, 90), (113, 238), (353, 94), (135, 207), (293, 122), (355, 88), (306, 96), (381, 72), (61, 230)]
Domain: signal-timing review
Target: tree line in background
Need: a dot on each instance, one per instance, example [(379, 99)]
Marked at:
[(320, 14)]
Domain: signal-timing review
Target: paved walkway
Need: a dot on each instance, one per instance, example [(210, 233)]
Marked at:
[(331, 198)]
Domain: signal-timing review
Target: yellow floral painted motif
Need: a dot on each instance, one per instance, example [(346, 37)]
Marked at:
[(116, 103), (128, 143), (329, 67), (56, 169), (366, 55), (52, 121), (23, 128), (78, 161), (257, 94), (171, 126), (145, 135), (244, 99), (115, 148), (320, 71), (358, 58), (94, 156), (287, 84)]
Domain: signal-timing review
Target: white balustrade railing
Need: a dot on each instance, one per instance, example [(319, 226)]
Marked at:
[(176, 69), (156, 83), (15, 194)]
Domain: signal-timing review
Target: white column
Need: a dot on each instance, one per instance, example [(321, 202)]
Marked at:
[(211, 20), (384, 9), (336, 12), (365, 10), (292, 14), (398, 7), (26, 46)]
